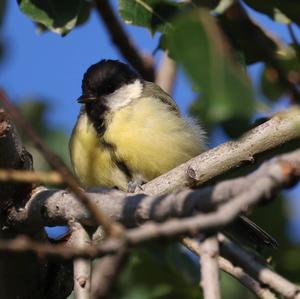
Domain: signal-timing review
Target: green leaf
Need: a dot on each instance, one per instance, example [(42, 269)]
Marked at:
[(158, 270), (59, 16), (247, 37), (207, 60), (152, 14), (271, 84), (279, 10)]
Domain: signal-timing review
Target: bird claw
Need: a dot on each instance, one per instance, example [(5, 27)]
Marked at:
[(133, 186)]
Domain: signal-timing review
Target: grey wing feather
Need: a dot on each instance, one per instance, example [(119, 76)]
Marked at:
[(153, 90)]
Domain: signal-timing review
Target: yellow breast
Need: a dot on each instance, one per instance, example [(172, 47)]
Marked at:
[(147, 136), (91, 161), (151, 138)]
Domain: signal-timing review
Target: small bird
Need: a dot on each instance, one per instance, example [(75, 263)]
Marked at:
[(130, 131)]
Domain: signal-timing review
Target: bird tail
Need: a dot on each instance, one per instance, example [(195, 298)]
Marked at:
[(250, 234)]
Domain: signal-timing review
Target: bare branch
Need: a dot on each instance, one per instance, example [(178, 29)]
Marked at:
[(257, 270), (166, 74), (110, 227), (120, 38), (57, 207), (209, 268), (23, 176), (293, 35), (282, 128), (82, 267), (235, 271)]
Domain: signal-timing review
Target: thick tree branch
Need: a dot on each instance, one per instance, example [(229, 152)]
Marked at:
[(271, 176), (209, 268), (82, 267), (235, 271), (57, 207), (122, 41)]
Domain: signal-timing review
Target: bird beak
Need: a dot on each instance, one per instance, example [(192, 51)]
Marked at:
[(85, 99)]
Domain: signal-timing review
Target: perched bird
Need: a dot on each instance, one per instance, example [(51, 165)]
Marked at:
[(130, 131)]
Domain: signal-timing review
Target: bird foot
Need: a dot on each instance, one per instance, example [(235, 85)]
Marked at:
[(135, 185)]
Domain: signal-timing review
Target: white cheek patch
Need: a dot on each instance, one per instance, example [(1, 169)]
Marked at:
[(124, 95)]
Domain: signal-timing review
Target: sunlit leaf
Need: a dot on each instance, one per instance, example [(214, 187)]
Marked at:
[(152, 14), (278, 9), (59, 16)]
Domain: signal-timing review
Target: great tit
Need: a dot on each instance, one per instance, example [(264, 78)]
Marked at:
[(130, 131)]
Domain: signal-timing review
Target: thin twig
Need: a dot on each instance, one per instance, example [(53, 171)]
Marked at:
[(293, 35), (238, 273), (166, 74), (209, 268), (109, 226), (82, 267), (257, 270), (23, 176), (120, 38)]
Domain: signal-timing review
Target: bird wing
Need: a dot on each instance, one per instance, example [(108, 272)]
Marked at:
[(153, 90)]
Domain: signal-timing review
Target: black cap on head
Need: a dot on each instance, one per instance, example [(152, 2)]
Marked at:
[(107, 76)]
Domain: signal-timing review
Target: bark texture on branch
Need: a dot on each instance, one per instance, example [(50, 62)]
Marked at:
[(82, 267), (209, 268)]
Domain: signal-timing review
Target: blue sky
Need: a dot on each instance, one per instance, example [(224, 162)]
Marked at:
[(51, 67)]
